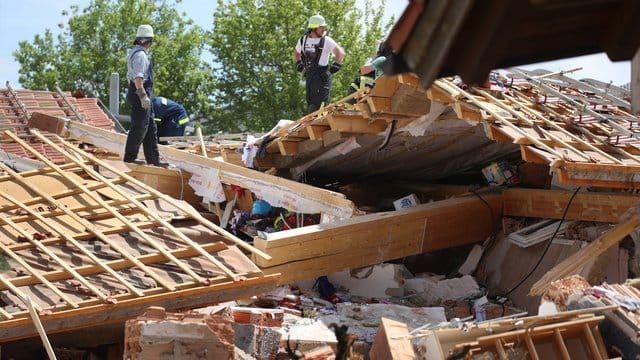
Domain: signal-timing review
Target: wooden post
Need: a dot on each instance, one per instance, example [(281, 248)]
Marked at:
[(635, 83)]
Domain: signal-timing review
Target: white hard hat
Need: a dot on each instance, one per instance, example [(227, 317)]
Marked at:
[(144, 31)]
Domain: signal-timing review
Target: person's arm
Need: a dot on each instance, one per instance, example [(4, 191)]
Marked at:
[(338, 51), (297, 58), (376, 64), (139, 82), (366, 68)]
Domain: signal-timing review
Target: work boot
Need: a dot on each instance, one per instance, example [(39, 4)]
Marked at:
[(160, 164), (136, 161)]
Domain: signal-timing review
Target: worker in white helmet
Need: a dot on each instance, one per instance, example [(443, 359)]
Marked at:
[(140, 75), (312, 54)]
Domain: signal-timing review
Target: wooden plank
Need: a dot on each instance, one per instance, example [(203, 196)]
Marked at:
[(467, 112), (101, 314), (559, 344), (232, 157), (307, 146), (625, 175), (331, 137), (287, 147), (373, 238), (436, 94), (500, 349), (550, 204), (594, 349), (173, 182), (576, 261), (388, 239), (315, 131), (353, 124), (389, 343), (531, 348), (385, 86), (378, 104), (496, 133), (534, 155), (275, 190)]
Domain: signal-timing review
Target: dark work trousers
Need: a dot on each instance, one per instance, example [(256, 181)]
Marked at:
[(318, 87), (169, 128), (143, 128)]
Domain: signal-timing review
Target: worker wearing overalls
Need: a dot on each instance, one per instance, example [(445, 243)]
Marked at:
[(140, 75), (171, 118), (312, 54)]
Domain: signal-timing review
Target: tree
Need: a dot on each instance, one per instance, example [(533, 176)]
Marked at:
[(94, 44), (252, 45)]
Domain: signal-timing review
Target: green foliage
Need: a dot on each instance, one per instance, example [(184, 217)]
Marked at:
[(252, 44), (94, 44)]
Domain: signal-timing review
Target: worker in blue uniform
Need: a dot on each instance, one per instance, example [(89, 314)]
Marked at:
[(171, 118)]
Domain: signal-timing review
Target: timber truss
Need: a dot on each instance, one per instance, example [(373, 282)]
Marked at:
[(85, 243), (584, 130)]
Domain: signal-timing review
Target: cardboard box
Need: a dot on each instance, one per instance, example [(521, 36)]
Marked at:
[(406, 202)]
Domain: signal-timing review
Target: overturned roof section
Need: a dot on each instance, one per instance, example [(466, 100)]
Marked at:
[(436, 38), (584, 130), (88, 246)]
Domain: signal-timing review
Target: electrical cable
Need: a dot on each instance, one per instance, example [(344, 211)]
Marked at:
[(494, 229), (547, 246)]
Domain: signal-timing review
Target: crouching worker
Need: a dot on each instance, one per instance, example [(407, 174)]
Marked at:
[(369, 72), (171, 118)]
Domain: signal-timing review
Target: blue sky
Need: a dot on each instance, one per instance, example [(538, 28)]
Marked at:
[(23, 19)]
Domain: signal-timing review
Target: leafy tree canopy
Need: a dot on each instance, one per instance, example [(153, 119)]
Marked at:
[(94, 44), (252, 44)]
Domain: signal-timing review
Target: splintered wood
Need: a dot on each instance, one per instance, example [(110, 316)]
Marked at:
[(83, 237)]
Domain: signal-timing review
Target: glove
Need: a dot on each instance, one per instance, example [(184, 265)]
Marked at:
[(299, 66), (145, 102), (334, 68)]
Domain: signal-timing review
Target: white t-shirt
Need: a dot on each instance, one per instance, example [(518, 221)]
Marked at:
[(310, 45)]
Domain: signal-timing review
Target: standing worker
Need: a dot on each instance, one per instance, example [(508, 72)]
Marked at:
[(140, 74), (312, 54), (171, 118)]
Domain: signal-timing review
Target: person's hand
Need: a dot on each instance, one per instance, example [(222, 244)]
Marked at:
[(299, 66), (145, 102), (335, 67)]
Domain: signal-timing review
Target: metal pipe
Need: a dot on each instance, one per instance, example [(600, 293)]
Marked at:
[(114, 93)]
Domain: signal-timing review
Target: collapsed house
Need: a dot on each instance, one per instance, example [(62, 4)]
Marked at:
[(520, 183), (90, 241)]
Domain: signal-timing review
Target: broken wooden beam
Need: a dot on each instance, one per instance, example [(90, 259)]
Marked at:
[(316, 250), (389, 343), (579, 259), (551, 204)]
